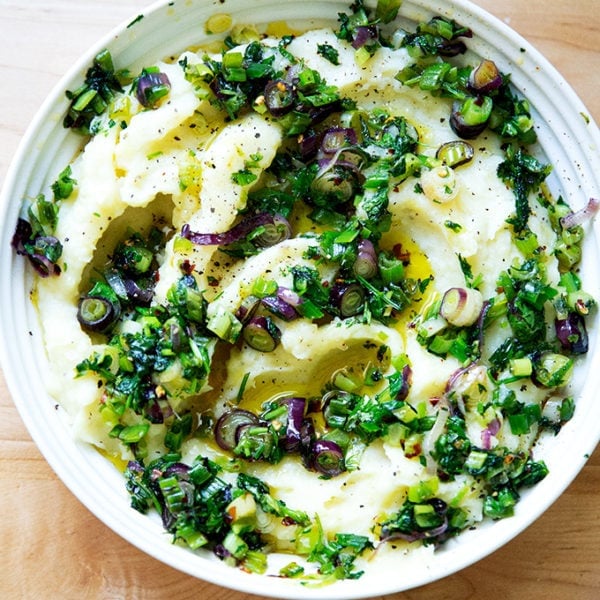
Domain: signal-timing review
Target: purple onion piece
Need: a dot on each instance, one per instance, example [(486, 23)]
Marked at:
[(481, 321), (363, 35), (328, 458), (494, 426), (136, 466), (154, 411), (309, 143), (23, 234), (43, 265), (280, 97), (275, 232), (402, 393), (318, 113), (236, 233), (349, 160), (295, 419), (151, 86), (414, 536), (466, 120), (458, 375), (365, 264), (581, 216), (97, 314), (347, 299), (280, 308), (572, 333), (307, 439), (167, 518), (289, 296), (140, 295), (452, 48), (486, 439), (455, 153), (336, 182), (486, 434), (247, 309), (180, 469), (242, 430), (221, 552), (453, 303), (261, 334), (484, 78), (337, 138), (439, 505), (228, 426)]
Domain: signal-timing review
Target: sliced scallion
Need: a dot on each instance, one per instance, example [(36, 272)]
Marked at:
[(461, 306)]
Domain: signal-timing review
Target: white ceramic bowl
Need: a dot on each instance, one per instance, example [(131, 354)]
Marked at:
[(569, 142)]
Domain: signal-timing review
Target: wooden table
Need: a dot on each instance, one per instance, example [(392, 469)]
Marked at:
[(52, 547)]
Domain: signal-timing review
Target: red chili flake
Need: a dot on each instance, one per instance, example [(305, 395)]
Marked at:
[(187, 267), (416, 451), (401, 254)]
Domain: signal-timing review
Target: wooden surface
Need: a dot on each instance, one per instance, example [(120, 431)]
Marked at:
[(52, 547)]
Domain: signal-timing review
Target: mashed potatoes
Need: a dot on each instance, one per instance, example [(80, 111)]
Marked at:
[(315, 282)]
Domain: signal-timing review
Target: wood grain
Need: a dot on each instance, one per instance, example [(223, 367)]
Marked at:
[(52, 547)]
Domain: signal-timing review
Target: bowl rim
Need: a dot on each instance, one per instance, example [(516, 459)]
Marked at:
[(59, 458)]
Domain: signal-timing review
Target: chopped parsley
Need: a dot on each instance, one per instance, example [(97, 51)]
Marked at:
[(328, 52)]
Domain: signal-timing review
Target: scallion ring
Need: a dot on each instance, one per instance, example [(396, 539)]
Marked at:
[(97, 314), (461, 306)]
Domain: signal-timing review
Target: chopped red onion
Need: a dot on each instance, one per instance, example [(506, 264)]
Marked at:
[(290, 296), (247, 309), (279, 96), (152, 85), (402, 393), (485, 77), (228, 426), (572, 334), (280, 308), (261, 334), (582, 215), (274, 232), (415, 535), (363, 35), (43, 265), (140, 295), (444, 410), (177, 468), (308, 144), (494, 426), (236, 233), (336, 138), (461, 306), (365, 264), (454, 48), (295, 418), (481, 321), (347, 298), (328, 458)]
